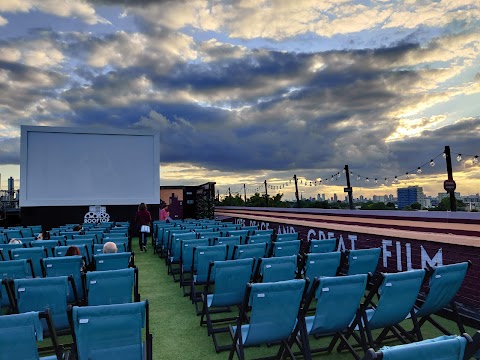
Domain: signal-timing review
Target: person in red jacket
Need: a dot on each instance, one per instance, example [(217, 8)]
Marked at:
[(143, 220)]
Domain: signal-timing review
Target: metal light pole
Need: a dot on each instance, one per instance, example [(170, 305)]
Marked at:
[(348, 189), (245, 193), (266, 193), (296, 191), (449, 184)]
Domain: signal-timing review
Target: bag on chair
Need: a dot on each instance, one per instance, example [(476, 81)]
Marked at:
[(145, 229)]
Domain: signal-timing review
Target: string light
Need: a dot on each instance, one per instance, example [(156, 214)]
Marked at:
[(407, 175), (459, 157), (358, 177), (366, 180), (475, 159), (419, 170), (386, 181), (376, 181), (432, 163), (444, 155)]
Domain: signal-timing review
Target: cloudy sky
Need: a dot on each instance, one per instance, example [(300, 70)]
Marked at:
[(244, 91)]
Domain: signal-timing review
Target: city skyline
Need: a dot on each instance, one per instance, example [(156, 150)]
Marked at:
[(246, 91)]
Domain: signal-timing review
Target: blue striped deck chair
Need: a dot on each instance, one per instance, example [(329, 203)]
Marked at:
[(47, 244), (322, 246), (443, 347), (275, 311), (443, 284), (5, 249), (13, 269), (286, 248), (112, 287), (231, 241), (362, 261), (173, 253), (36, 254), (19, 334), (228, 280), (322, 265), (186, 258), (111, 332), (242, 233), (287, 236), (397, 293), (42, 293), (276, 269), (201, 258), (103, 262), (65, 266), (337, 303)]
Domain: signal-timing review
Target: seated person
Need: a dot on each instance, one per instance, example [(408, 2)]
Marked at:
[(15, 241), (73, 251), (44, 235), (110, 248)]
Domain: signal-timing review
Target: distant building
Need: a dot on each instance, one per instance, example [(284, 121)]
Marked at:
[(472, 202), (319, 198), (335, 198), (409, 196), (443, 195), (323, 197)]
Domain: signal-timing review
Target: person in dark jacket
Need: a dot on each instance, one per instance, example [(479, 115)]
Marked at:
[(143, 220)]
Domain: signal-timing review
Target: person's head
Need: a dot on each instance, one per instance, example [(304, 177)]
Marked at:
[(142, 206), (15, 241), (44, 235), (77, 228), (73, 251), (110, 248)]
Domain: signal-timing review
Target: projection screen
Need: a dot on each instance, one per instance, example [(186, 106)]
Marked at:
[(74, 166)]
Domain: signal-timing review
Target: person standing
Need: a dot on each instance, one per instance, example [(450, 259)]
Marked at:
[(143, 220)]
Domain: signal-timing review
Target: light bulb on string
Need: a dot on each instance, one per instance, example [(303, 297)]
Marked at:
[(366, 180), (376, 181), (475, 159), (358, 177), (419, 170), (459, 157), (432, 163), (444, 155), (338, 175), (386, 181), (343, 171), (396, 179), (310, 183), (407, 175)]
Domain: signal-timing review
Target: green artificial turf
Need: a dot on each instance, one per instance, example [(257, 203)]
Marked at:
[(176, 328)]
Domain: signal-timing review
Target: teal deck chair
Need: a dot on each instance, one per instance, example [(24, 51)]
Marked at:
[(229, 284), (115, 261), (287, 237), (322, 246), (242, 233), (362, 261), (286, 248), (112, 287), (174, 250), (83, 236), (322, 265), (65, 266), (46, 244), (19, 334), (60, 251), (257, 251), (276, 269), (443, 347), (231, 241), (263, 232), (275, 311), (111, 332), (265, 238), (226, 229), (13, 269), (5, 250), (207, 234), (443, 284), (250, 228), (82, 244), (42, 293), (26, 232), (121, 242), (186, 258), (338, 300), (397, 294), (201, 258), (36, 254), (12, 234)]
